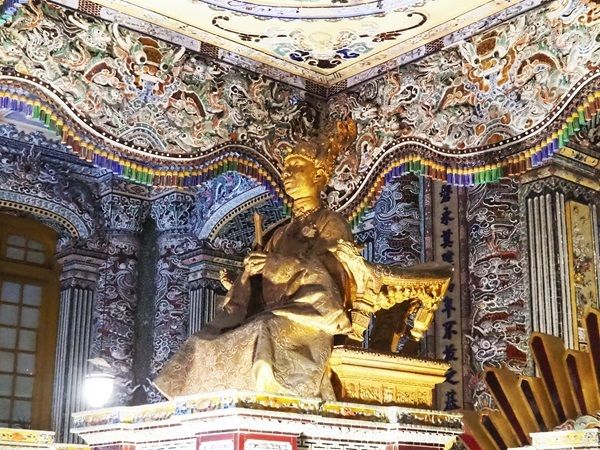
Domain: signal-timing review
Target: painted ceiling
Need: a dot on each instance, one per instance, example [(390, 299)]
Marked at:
[(321, 41), (140, 105)]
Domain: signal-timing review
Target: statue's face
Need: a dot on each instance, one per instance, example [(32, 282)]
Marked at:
[(299, 178)]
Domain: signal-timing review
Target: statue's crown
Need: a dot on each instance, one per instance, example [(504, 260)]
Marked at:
[(323, 151)]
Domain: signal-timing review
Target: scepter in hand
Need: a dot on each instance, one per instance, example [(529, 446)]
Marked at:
[(257, 245)]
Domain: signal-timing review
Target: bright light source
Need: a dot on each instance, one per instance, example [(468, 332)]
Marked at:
[(98, 388)]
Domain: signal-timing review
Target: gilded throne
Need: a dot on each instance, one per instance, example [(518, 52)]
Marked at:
[(301, 292)]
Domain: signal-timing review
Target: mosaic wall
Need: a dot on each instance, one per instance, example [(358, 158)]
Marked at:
[(220, 191), (26, 178), (497, 85), (145, 99), (327, 45), (171, 300), (147, 92), (241, 227), (397, 223), (174, 217), (116, 303), (497, 284)]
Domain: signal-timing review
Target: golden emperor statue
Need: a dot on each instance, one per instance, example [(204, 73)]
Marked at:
[(276, 335)]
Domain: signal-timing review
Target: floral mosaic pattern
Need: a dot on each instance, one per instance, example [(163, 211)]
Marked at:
[(220, 190), (397, 229), (321, 42), (497, 85), (163, 100), (174, 216), (67, 205)]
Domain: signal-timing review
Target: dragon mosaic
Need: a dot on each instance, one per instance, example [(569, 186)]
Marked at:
[(397, 224), (213, 194), (41, 189), (175, 217), (497, 284), (224, 209), (397, 242), (114, 318), (162, 99), (147, 92), (496, 85)]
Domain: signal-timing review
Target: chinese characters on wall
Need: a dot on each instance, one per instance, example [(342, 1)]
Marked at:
[(448, 320)]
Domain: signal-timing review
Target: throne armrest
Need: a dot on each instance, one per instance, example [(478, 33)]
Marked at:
[(373, 287)]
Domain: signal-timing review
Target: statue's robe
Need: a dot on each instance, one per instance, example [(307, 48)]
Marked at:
[(285, 347)]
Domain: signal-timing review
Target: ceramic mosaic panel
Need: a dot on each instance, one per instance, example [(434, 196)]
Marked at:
[(145, 91), (398, 242), (114, 318), (583, 268), (496, 85), (156, 99), (397, 223), (497, 284)]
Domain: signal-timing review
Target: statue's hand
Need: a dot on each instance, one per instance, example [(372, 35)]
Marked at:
[(255, 263), (225, 280)]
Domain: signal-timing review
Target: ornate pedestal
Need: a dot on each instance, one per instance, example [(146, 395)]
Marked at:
[(234, 420), (385, 379), (13, 438)]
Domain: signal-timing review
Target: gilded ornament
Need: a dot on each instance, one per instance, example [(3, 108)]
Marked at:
[(365, 376), (309, 231)]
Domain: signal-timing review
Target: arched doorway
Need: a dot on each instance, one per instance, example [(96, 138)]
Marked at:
[(29, 291)]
